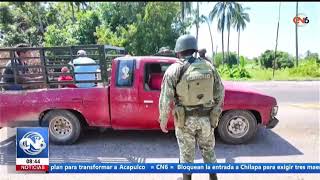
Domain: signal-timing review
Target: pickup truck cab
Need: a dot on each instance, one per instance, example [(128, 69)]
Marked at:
[(129, 102)]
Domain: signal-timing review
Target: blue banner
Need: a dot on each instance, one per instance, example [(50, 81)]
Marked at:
[(184, 168)]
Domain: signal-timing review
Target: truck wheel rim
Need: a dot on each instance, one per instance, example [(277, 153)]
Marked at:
[(237, 126), (60, 127)]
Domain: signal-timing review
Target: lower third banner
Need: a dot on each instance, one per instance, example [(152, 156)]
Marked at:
[(184, 168)]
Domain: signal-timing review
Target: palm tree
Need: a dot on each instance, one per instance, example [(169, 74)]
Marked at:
[(206, 19), (197, 21), (185, 9), (223, 11), (72, 10), (239, 22), (230, 14)]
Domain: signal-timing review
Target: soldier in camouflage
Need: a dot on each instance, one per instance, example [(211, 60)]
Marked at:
[(197, 126)]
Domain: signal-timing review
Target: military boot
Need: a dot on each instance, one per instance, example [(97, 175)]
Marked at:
[(213, 176)]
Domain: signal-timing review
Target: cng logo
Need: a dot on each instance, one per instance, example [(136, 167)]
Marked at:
[(32, 143), (32, 146), (301, 20)]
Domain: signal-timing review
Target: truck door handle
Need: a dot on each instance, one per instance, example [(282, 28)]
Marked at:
[(148, 101)]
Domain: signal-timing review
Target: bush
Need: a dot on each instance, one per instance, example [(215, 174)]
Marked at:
[(266, 59), (217, 61), (311, 55), (284, 60), (236, 72), (230, 62), (240, 71), (309, 67)]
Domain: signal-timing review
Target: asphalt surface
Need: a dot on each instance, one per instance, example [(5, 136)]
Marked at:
[(295, 139)]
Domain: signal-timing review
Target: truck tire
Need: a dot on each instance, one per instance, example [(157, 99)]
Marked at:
[(237, 126), (63, 126)]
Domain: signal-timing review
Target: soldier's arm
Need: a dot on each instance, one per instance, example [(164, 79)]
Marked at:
[(166, 97), (218, 93)]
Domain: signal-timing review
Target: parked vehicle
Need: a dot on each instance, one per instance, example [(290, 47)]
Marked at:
[(127, 99)]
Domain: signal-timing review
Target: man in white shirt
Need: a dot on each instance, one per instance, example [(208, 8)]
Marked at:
[(83, 59)]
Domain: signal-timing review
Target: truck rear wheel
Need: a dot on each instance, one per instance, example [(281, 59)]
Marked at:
[(237, 126), (64, 127)]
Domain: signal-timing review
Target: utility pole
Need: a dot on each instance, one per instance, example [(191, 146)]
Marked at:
[(297, 37), (275, 52)]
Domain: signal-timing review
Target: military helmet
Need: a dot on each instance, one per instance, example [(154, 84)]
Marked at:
[(186, 42)]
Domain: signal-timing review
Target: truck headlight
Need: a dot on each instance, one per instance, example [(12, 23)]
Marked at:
[(274, 111)]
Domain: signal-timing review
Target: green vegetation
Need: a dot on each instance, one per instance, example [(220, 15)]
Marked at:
[(143, 28), (308, 69)]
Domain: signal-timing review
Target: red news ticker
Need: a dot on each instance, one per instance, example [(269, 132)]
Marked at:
[(32, 167)]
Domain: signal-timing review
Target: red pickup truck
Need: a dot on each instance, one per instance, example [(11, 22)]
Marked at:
[(129, 101)]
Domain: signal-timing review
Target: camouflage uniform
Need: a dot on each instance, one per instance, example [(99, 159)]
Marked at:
[(197, 129)]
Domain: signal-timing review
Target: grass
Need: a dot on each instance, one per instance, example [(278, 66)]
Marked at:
[(258, 74), (266, 74)]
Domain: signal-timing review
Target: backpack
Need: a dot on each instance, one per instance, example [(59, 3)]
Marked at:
[(195, 83)]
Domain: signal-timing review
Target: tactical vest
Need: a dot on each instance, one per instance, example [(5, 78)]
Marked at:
[(196, 84)]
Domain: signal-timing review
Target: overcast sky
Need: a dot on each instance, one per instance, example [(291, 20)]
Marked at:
[(260, 33)]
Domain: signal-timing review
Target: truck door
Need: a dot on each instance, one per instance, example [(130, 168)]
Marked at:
[(149, 92), (10, 107), (124, 103)]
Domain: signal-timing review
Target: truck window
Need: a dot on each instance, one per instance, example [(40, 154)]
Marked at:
[(153, 74), (125, 73)]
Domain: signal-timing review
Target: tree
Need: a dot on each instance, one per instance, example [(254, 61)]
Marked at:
[(197, 21), (72, 10), (185, 9), (22, 23), (239, 22), (223, 11), (218, 59), (230, 14), (86, 27), (158, 27), (120, 14), (55, 36), (206, 19), (284, 60)]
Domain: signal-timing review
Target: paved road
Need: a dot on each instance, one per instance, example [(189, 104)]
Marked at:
[(289, 91), (295, 139)]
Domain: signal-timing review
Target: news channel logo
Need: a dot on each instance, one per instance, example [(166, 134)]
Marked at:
[(32, 142), (301, 20)]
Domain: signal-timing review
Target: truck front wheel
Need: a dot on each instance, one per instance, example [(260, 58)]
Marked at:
[(64, 127), (237, 126)]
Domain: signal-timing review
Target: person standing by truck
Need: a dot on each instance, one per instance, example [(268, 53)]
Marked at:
[(202, 54), (18, 64), (80, 66), (198, 93)]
